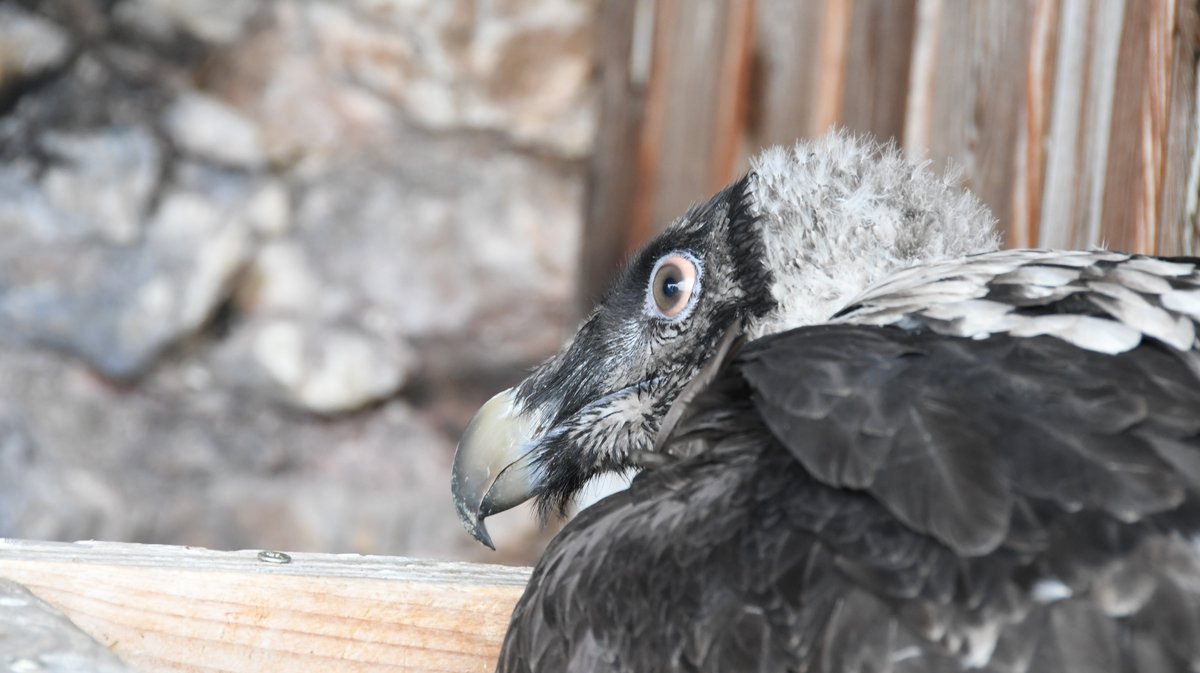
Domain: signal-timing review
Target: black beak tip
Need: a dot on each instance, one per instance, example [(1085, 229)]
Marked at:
[(474, 524), (472, 517), (479, 531)]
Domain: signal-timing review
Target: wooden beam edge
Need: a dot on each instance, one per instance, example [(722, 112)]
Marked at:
[(164, 608), (93, 552)]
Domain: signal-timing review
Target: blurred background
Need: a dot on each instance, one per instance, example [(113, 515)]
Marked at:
[(262, 259)]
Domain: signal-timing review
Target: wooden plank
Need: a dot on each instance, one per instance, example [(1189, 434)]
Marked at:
[(831, 66), (1134, 178), (623, 69), (737, 59), (699, 79), (787, 41), (1002, 32), (1190, 22), (1025, 228), (829, 62), (1176, 228), (922, 78), (1077, 142), (674, 77), (971, 76), (879, 53), (164, 608)]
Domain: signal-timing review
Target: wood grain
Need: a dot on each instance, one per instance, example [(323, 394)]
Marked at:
[(695, 105), (1031, 161), (787, 41), (1075, 121), (166, 608), (922, 74), (831, 66), (1131, 214), (977, 88), (875, 88), (623, 55), (1077, 141), (672, 139), (1177, 229)]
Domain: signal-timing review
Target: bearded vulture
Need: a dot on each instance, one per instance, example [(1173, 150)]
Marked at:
[(867, 440)]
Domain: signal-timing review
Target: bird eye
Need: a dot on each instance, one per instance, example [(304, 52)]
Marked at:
[(672, 285)]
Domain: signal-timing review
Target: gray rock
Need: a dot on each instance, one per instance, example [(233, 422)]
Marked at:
[(182, 459), (39, 639), (268, 210), (29, 44), (196, 18), (210, 129), (119, 307), (288, 351), (520, 68), (26, 216), (307, 112), (114, 250), (16, 468), (281, 281), (101, 182), (458, 248), (46, 490), (373, 484), (97, 185), (327, 369)]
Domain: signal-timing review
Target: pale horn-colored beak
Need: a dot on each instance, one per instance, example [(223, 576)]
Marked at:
[(492, 469)]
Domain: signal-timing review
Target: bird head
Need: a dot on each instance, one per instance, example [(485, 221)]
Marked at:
[(785, 246)]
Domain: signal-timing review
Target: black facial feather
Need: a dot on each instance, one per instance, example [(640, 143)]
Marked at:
[(620, 351), (748, 253)]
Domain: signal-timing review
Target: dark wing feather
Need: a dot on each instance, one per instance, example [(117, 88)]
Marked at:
[(869, 499), (955, 429)]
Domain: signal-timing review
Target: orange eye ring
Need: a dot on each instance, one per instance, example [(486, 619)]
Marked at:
[(673, 282)]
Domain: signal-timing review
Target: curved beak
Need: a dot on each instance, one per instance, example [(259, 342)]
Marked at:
[(492, 468)]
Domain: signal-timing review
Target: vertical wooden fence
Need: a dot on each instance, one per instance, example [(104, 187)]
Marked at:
[(1075, 120)]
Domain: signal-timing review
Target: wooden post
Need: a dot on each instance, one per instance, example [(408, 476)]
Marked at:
[(163, 608), (673, 78), (625, 48)]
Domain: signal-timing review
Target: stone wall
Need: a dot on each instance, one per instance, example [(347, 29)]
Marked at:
[(261, 260)]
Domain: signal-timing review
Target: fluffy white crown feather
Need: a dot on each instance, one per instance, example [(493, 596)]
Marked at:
[(841, 212)]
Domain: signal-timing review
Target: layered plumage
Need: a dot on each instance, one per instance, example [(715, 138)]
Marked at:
[(874, 444)]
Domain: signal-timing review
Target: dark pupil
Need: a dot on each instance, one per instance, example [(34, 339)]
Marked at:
[(670, 286)]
